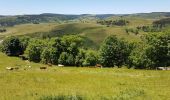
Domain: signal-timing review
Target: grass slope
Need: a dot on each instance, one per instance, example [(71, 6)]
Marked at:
[(94, 84), (95, 32), (28, 28)]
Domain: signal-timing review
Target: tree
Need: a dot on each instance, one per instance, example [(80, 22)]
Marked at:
[(113, 52), (139, 57), (50, 55), (12, 46), (71, 42), (66, 59), (80, 58), (159, 51), (34, 50), (73, 49), (91, 58), (24, 42), (153, 52), (56, 43)]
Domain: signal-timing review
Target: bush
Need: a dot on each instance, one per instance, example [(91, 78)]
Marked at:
[(34, 50), (139, 58), (52, 52), (159, 51), (49, 55), (80, 58), (24, 42), (12, 46), (66, 59), (114, 52), (91, 58)]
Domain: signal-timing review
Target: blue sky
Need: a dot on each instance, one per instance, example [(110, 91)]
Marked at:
[(13, 7)]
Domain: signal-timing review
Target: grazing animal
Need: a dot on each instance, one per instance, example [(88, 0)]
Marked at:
[(59, 65), (12, 68), (9, 68), (43, 67), (163, 68), (16, 68), (98, 66)]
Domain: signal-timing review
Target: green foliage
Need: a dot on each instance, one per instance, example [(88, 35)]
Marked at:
[(24, 42), (139, 58), (35, 19), (134, 31), (161, 23), (91, 58), (149, 28), (34, 50), (50, 55), (159, 51), (12, 46), (153, 52), (114, 52), (80, 58), (120, 22), (66, 59)]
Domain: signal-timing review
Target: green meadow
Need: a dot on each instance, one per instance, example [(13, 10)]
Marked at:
[(29, 82), (90, 83)]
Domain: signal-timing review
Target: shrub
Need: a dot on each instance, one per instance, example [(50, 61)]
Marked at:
[(91, 58), (34, 50), (159, 51), (12, 46), (24, 42), (66, 59), (114, 52), (80, 58), (139, 58), (49, 55)]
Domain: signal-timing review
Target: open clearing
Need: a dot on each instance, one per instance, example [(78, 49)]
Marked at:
[(95, 84)]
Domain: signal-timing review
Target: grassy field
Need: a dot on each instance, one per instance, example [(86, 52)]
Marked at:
[(91, 83), (28, 28)]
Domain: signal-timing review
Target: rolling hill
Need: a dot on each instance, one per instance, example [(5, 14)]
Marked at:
[(59, 18), (53, 25)]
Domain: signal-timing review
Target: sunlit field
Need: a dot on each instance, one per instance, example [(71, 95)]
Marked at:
[(90, 83)]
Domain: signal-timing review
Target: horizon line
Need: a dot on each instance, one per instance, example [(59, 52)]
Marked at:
[(85, 13)]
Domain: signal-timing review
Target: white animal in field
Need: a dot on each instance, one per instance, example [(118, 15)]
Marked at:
[(60, 65), (12, 68), (163, 68), (9, 68)]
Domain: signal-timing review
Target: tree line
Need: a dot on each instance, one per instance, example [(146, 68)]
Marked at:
[(120, 22), (153, 51)]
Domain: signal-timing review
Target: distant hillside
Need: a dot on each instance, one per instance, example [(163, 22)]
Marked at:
[(153, 15), (44, 18), (49, 17)]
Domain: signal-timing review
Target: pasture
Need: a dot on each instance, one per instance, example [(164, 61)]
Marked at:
[(91, 83)]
